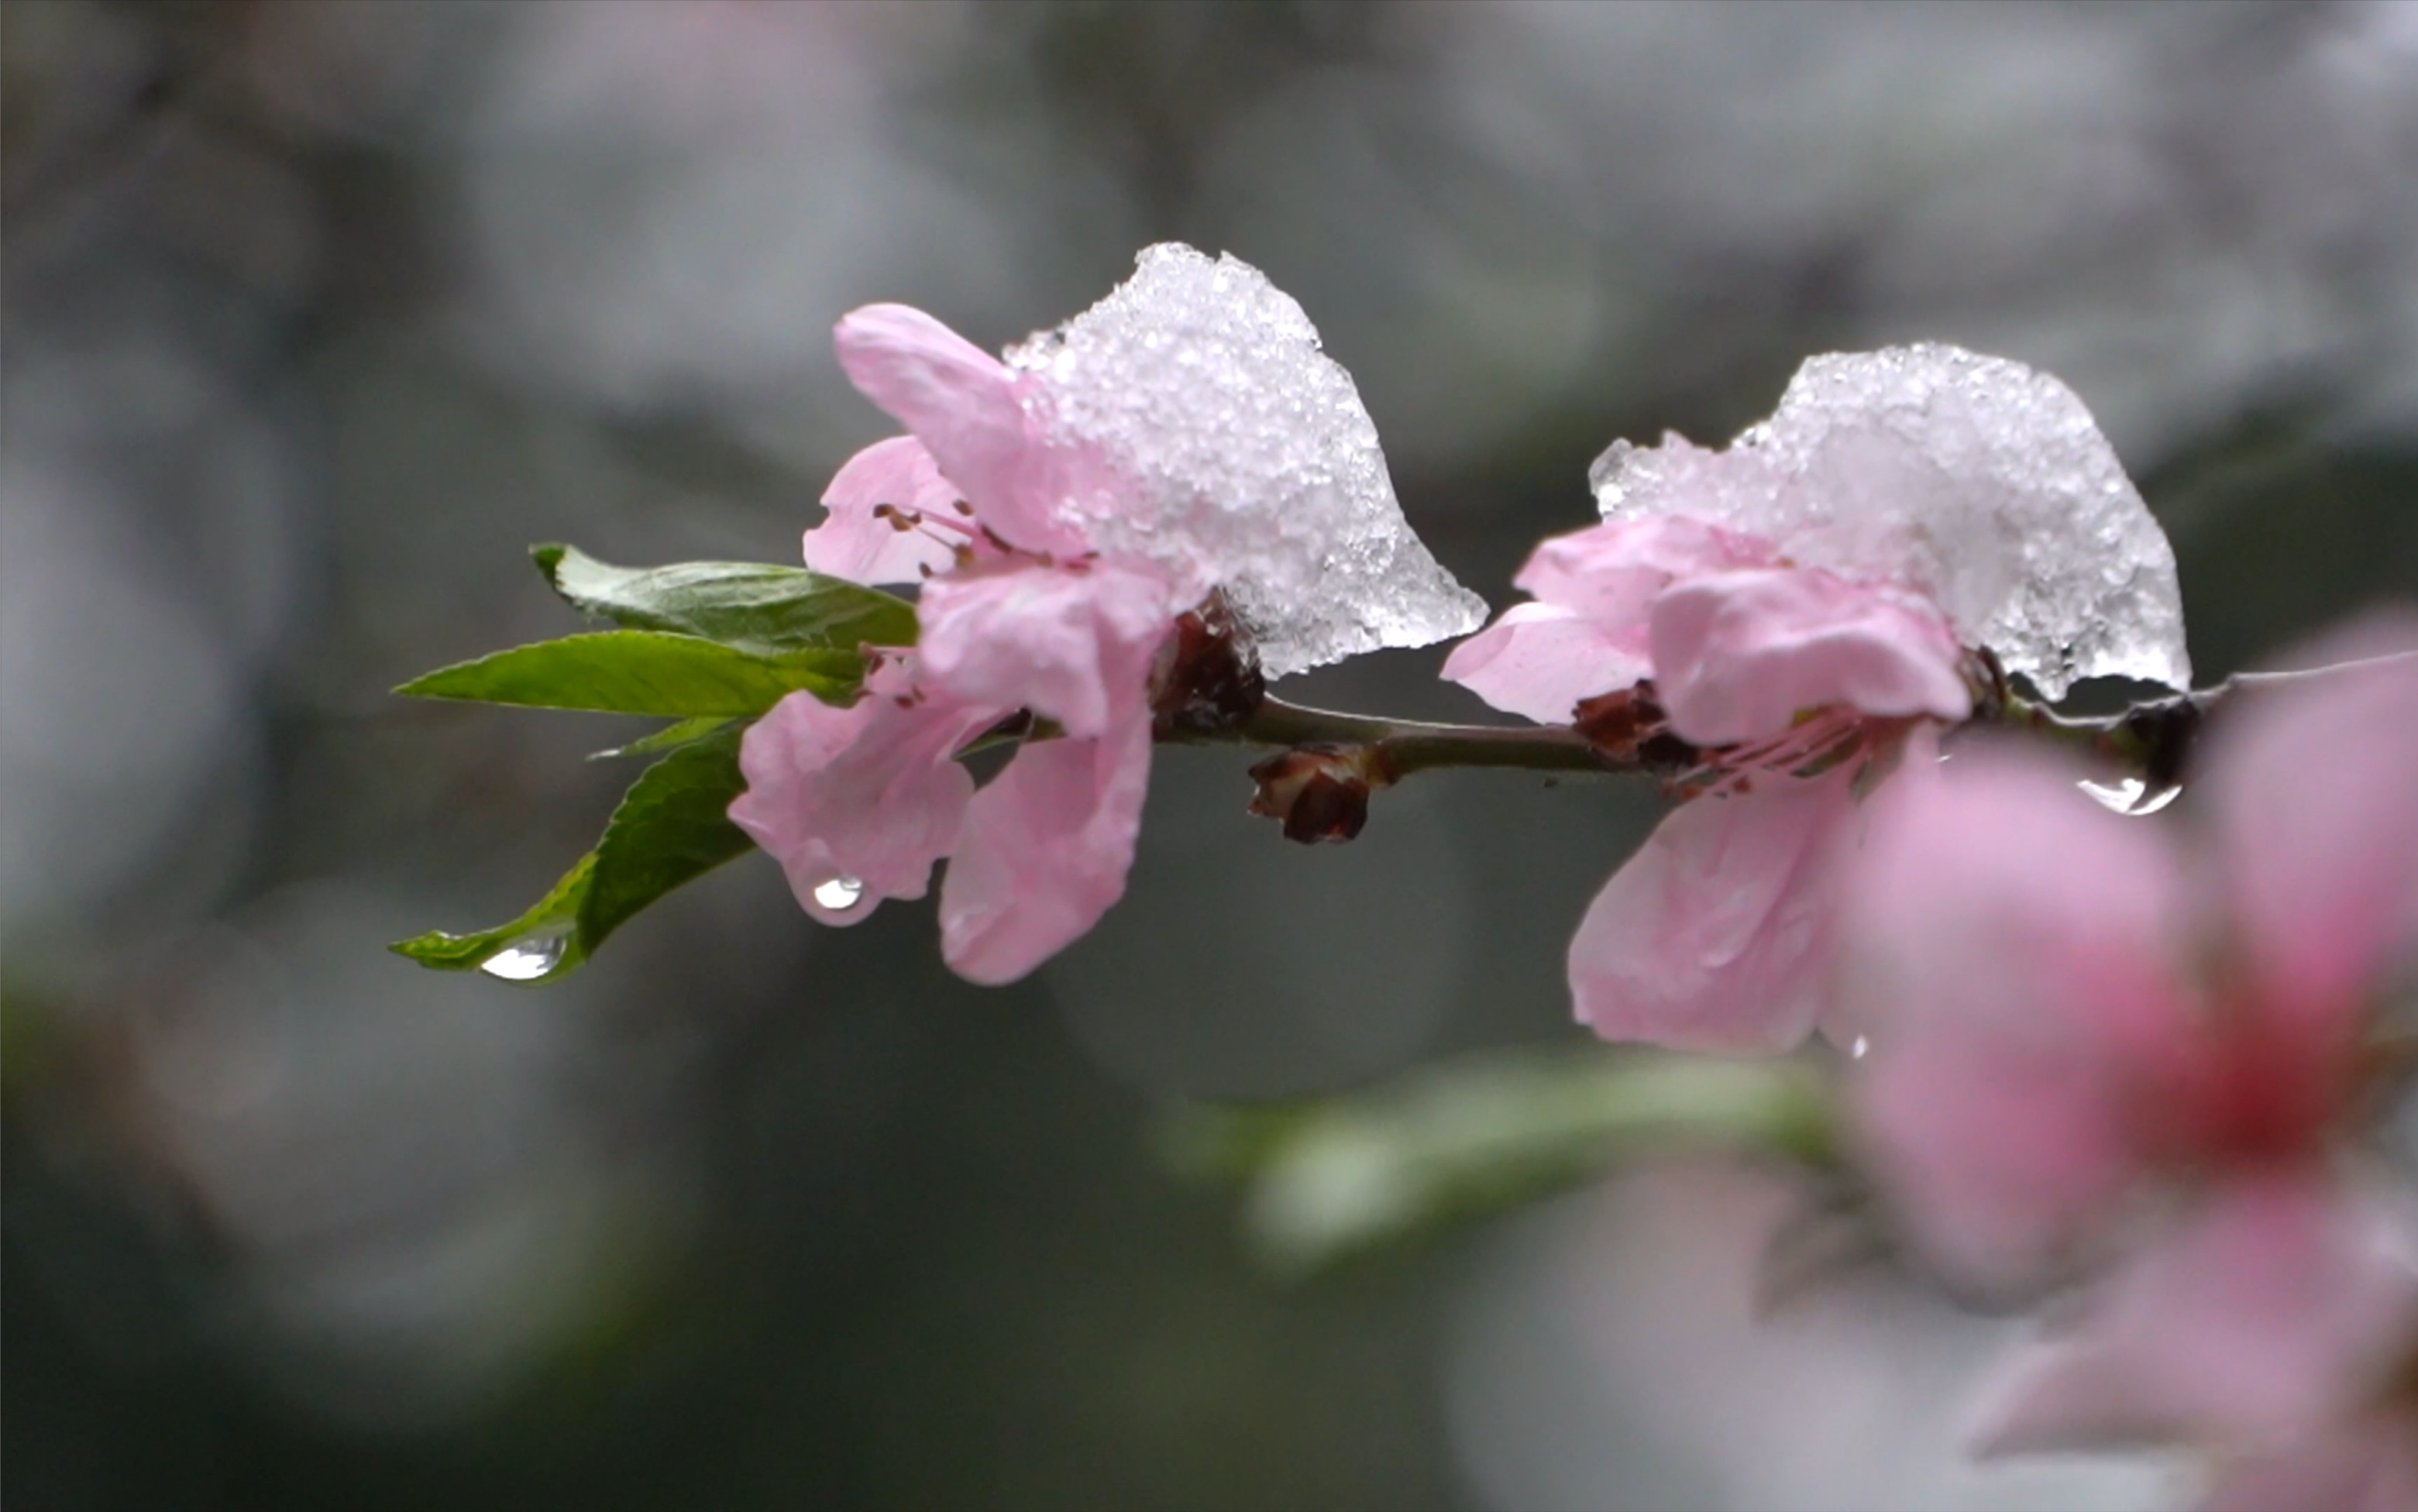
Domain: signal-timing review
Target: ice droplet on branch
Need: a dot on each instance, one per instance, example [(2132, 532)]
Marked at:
[(1972, 480), (1239, 453), (2132, 795)]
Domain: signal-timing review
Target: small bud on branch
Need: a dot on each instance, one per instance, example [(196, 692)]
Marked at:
[(1320, 793)]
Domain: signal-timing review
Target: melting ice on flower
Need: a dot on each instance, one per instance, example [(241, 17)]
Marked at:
[(1973, 482), (1065, 508), (1796, 607), (2074, 1016), (1237, 454)]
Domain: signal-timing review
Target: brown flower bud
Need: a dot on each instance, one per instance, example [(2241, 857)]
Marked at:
[(1318, 792), (1207, 678), (1629, 724)]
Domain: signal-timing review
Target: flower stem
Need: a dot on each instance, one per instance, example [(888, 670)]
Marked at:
[(2154, 739), (1399, 747)]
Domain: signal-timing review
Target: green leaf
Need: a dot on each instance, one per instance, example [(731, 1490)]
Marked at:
[(748, 605), (672, 826), (1333, 1180), (538, 946), (644, 672), (670, 738)]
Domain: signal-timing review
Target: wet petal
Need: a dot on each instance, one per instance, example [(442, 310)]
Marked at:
[(1539, 660), (1071, 643), (2002, 941), (961, 403), (1587, 632), (1611, 572), (855, 544), (1712, 937), (2275, 1309), (1045, 852), (2317, 809), (1738, 655), (869, 793)]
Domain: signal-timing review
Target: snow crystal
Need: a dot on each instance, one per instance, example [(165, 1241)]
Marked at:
[(1238, 453), (1971, 479)]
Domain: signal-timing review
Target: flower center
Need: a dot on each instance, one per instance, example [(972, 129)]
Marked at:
[(1630, 724), (1820, 740), (2248, 1091), (959, 530)]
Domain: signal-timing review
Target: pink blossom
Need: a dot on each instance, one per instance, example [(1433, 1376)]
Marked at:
[(857, 803), (1796, 607), (1062, 511), (1795, 681), (2093, 1037), (2369, 1464)]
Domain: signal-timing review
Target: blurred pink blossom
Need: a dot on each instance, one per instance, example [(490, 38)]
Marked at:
[(857, 803), (2091, 1036), (1795, 682), (2367, 1466)]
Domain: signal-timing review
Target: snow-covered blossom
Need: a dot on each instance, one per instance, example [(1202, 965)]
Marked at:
[(2095, 1040), (1799, 610), (1063, 510), (1798, 682)]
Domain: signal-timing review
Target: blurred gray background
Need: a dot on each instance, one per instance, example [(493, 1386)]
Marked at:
[(317, 314)]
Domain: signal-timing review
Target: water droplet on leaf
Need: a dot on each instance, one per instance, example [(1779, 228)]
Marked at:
[(526, 961), (839, 892)]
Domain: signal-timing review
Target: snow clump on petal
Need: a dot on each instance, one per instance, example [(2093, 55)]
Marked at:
[(1973, 480), (1234, 452)]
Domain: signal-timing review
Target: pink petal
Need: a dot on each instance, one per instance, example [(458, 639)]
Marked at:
[(2002, 942), (1712, 937), (1738, 655), (1045, 852), (1539, 660), (1587, 633), (961, 403), (854, 544), (2370, 1466), (1611, 572), (1071, 643), (868, 794), (2316, 798), (2275, 1309)]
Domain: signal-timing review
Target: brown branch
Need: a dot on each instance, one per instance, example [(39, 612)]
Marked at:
[(2155, 740), (1397, 747)]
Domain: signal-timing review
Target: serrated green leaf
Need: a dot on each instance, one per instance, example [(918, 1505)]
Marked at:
[(1334, 1178), (643, 672), (672, 826), (753, 605), (670, 738)]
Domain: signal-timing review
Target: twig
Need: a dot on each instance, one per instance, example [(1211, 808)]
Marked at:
[(1399, 747), (2155, 739)]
